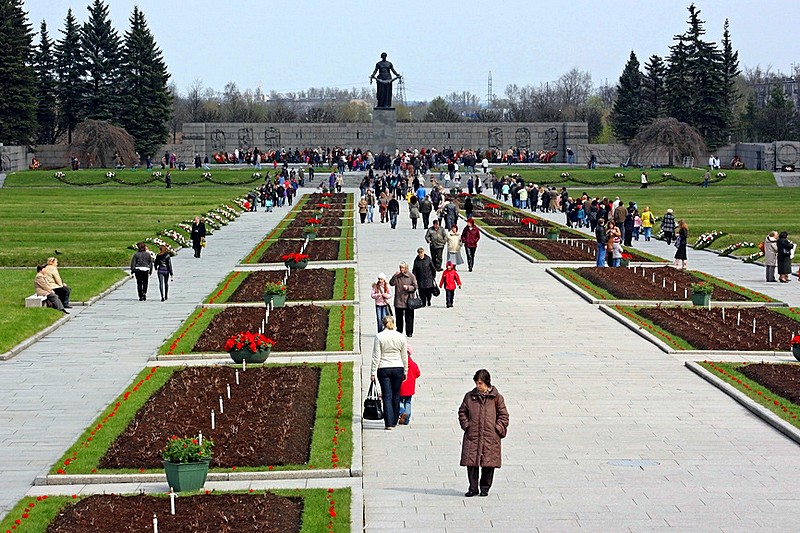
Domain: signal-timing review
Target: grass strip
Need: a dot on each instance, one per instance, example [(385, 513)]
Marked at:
[(340, 328), (332, 422), (185, 337), (344, 284), (345, 249), (85, 454), (672, 340), (527, 250), (729, 373), (323, 510), (226, 287), (572, 275), (751, 295)]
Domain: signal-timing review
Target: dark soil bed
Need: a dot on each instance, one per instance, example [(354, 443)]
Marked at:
[(327, 220), (297, 328), (705, 330), (307, 284), (335, 198), (783, 380), (523, 231), (205, 513), (268, 420), (317, 250), (626, 284), (562, 251), (322, 232), (493, 220)]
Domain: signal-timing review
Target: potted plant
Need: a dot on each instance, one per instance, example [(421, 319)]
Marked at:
[(248, 346), (310, 231), (626, 260), (701, 293), (295, 260), (796, 347), (186, 462), (552, 233), (275, 292)]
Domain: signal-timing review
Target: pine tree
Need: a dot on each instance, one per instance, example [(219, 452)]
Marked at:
[(101, 49), (439, 111), (69, 65), (730, 71), (777, 121), (17, 77), (44, 65), (653, 98), (678, 95), (626, 115), (145, 95)]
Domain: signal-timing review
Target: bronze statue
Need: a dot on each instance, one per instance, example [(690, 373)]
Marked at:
[(384, 79)]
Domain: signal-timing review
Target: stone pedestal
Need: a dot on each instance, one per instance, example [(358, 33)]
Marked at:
[(384, 130)]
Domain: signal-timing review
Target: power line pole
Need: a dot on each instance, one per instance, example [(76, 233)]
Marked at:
[(400, 92), (489, 93)]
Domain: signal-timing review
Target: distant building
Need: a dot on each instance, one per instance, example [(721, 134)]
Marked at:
[(791, 89)]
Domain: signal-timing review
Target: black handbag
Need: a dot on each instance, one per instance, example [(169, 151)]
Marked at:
[(414, 302), (436, 291), (372, 405)]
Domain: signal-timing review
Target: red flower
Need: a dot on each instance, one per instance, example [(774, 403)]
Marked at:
[(795, 340), (312, 221), (247, 339), (627, 256), (492, 206), (295, 257), (529, 220)]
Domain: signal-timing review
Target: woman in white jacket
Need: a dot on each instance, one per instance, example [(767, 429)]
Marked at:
[(390, 366)]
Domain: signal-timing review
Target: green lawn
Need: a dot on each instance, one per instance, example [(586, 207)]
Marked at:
[(94, 226), (140, 178), (17, 322), (583, 177)]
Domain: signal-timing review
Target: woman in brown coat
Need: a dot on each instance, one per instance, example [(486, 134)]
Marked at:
[(484, 418)]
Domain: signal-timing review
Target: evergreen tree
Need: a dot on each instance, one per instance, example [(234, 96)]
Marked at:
[(777, 121), (70, 69), (626, 115), (17, 77), (705, 69), (730, 71), (653, 98), (44, 65), (678, 95), (439, 111), (101, 49), (147, 102)]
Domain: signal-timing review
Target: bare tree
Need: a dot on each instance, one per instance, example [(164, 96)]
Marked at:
[(667, 138), (98, 141)]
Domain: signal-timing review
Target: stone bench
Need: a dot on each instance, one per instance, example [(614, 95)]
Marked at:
[(34, 300)]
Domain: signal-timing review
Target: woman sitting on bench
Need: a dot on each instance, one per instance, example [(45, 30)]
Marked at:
[(43, 289)]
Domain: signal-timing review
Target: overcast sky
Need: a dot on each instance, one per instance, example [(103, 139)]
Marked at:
[(439, 46)]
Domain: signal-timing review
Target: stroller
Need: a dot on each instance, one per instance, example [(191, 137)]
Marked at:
[(268, 205)]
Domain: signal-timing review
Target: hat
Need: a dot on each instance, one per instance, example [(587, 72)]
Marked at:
[(382, 276), (669, 210)]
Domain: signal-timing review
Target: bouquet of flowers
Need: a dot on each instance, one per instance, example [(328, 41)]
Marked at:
[(528, 220), (705, 239), (274, 287), (314, 221), (59, 175), (206, 174), (111, 174), (752, 258), (565, 174), (721, 175), (667, 174), (182, 450), (627, 257), (256, 175), (702, 287), (795, 341), (247, 339), (619, 175), (157, 174), (735, 246)]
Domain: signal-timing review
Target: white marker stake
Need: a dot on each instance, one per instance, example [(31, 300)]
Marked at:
[(213, 421), (685, 293), (654, 277), (221, 406), (754, 325), (738, 318), (244, 365), (171, 501), (723, 314), (664, 283), (237, 376), (770, 335), (200, 438), (155, 523), (229, 390), (674, 286)]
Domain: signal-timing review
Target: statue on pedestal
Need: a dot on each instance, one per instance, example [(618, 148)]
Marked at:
[(384, 79)]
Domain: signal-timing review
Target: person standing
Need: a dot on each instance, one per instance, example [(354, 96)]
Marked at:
[(602, 240), (643, 180), (198, 235), (485, 165), (425, 273), (425, 209), (43, 289), (484, 419), (648, 219), (771, 255), (362, 209), (163, 266), (53, 278), (450, 212), (436, 237), (408, 388), (668, 226), (785, 253), (470, 237), (680, 243), (405, 285), (390, 367), (370, 206), (450, 281), (706, 179), (393, 208), (381, 294), (142, 269)]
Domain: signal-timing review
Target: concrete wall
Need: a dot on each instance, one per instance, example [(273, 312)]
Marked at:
[(13, 158), (207, 138)]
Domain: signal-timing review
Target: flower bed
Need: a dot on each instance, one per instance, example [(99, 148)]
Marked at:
[(582, 250), (317, 250), (627, 284), (704, 329), (295, 232)]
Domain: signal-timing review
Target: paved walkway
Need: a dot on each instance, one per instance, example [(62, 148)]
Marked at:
[(607, 432), (54, 389)]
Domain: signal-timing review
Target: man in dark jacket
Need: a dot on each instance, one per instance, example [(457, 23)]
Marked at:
[(436, 237), (602, 239), (393, 208)]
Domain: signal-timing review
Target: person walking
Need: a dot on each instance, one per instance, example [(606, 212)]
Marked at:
[(484, 419), (785, 254), (425, 209), (405, 285), (680, 244), (771, 255), (454, 246), (390, 368), (408, 388), (436, 237), (142, 269), (648, 219), (425, 273), (450, 281), (450, 213), (393, 208), (668, 226), (198, 235), (470, 237), (381, 294), (163, 266), (643, 180), (362, 209), (413, 211)]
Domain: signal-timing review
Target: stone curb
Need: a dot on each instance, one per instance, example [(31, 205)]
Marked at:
[(321, 303), (759, 410), (95, 479), (247, 267), (10, 354), (637, 329)]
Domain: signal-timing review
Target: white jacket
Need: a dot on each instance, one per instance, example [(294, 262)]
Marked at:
[(389, 350)]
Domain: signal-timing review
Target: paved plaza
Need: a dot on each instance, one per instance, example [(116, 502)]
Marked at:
[(607, 432)]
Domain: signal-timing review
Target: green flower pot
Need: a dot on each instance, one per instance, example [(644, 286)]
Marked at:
[(311, 235), (186, 477), (299, 265), (552, 235), (246, 354), (699, 298), (624, 262), (278, 300), (796, 352)]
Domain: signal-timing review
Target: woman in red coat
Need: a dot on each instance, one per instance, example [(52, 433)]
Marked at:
[(408, 388), (470, 237), (484, 418)]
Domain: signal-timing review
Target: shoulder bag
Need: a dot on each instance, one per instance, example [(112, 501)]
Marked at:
[(414, 302), (372, 405)]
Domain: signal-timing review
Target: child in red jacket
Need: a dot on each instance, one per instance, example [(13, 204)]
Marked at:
[(407, 389), (450, 280)]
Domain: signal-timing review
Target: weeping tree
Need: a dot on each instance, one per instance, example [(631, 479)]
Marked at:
[(669, 139), (98, 141)]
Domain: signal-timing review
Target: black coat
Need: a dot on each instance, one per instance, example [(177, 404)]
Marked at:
[(198, 233), (425, 272)]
